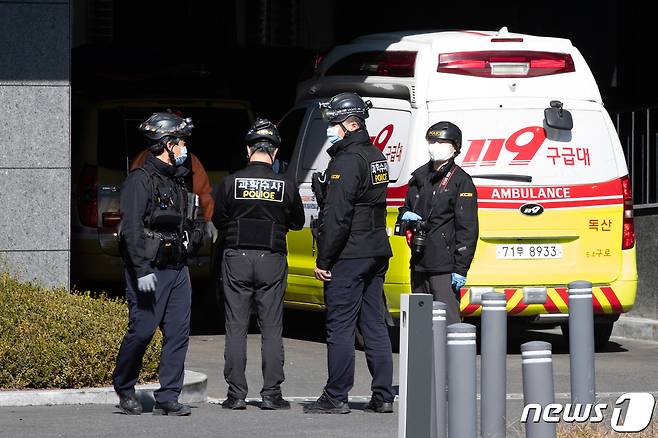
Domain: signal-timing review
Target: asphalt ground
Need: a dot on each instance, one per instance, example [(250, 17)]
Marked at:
[(627, 365)]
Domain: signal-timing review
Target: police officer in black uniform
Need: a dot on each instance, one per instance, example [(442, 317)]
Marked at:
[(443, 197), (353, 255), (255, 208), (157, 234)]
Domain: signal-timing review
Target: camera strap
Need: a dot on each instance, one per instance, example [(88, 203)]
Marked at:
[(446, 179), (442, 185)]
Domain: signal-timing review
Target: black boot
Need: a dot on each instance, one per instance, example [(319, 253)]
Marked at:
[(171, 408), (378, 405), (234, 403), (327, 405), (129, 405), (275, 402)]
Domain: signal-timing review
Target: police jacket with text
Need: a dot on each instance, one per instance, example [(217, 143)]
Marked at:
[(255, 208), (137, 205), (451, 213), (353, 217)]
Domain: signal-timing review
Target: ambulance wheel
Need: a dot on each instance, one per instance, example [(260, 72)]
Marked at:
[(602, 333)]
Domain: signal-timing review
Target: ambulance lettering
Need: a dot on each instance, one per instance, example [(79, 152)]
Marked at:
[(392, 152), (524, 143), (531, 193)]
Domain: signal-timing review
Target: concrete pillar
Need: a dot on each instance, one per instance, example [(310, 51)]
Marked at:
[(35, 152)]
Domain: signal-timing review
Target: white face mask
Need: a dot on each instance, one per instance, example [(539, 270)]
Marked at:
[(182, 157), (332, 134), (441, 151)]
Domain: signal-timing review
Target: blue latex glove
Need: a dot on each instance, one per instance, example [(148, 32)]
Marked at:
[(410, 216), (147, 283), (458, 280)]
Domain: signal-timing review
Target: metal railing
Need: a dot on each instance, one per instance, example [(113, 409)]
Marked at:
[(638, 132)]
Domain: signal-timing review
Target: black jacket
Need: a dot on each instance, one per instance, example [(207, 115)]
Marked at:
[(137, 203), (255, 208), (353, 217), (451, 215)]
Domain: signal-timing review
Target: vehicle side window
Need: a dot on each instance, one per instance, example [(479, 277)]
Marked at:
[(315, 157), (289, 129)]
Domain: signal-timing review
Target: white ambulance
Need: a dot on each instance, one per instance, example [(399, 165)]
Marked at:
[(554, 201)]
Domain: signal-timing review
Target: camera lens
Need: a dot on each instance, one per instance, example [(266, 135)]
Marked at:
[(418, 243)]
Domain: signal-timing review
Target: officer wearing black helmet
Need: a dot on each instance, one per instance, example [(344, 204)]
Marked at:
[(442, 199), (255, 208), (353, 255), (157, 234)]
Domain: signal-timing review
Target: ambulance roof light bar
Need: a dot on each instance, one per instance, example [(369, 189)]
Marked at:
[(505, 63)]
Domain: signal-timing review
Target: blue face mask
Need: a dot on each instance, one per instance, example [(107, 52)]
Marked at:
[(182, 157), (332, 134)]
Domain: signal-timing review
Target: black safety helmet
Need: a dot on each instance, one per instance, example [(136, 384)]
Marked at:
[(344, 105), (263, 135), (445, 131), (167, 124)]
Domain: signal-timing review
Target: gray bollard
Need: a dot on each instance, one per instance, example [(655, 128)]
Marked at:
[(439, 370), (537, 368), (462, 404), (493, 368), (414, 412), (581, 342)]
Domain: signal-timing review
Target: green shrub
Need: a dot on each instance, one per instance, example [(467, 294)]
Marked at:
[(57, 339)]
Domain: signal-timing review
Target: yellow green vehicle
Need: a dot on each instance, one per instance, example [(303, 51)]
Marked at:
[(555, 205)]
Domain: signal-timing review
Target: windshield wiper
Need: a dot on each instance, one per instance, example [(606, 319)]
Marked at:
[(504, 177)]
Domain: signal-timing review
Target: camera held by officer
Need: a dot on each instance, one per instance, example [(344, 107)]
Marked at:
[(415, 232), (439, 220)]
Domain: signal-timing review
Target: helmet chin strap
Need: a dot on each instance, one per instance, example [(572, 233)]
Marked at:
[(172, 157), (346, 132)]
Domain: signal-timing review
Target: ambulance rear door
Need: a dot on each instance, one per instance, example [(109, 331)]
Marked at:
[(550, 209)]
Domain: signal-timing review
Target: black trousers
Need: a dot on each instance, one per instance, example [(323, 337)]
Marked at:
[(355, 296), (256, 276), (440, 286), (169, 308)]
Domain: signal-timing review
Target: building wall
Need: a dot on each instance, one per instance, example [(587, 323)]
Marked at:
[(35, 157)]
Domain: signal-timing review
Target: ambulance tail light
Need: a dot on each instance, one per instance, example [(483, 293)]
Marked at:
[(628, 236), (505, 64), (399, 64), (88, 196)]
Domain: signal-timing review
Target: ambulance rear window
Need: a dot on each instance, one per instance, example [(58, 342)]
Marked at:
[(399, 64)]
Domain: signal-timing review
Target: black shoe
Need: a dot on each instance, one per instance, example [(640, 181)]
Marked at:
[(234, 403), (275, 402), (129, 405), (171, 408), (327, 405), (379, 406)]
